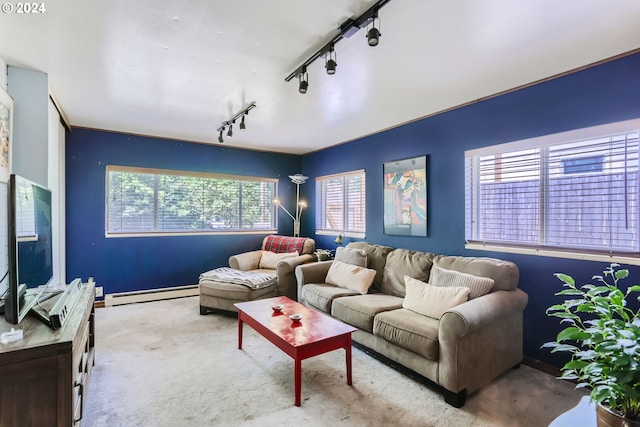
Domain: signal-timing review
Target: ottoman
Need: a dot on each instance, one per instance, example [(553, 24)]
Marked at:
[(222, 287)]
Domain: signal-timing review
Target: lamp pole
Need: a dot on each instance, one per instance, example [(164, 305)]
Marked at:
[(297, 179)]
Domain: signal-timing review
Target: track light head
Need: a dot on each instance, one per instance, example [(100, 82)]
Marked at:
[(304, 80), (242, 125), (220, 140), (331, 66), (230, 131), (373, 37), (330, 61)]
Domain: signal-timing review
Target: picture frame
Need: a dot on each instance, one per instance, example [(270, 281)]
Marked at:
[(405, 197), (6, 134)]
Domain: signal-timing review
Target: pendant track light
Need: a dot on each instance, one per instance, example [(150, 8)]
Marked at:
[(346, 29), (330, 61), (373, 36), (304, 80), (229, 123)]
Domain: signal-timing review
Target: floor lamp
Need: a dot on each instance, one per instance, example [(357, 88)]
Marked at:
[(297, 179)]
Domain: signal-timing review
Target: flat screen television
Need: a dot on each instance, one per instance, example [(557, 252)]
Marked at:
[(30, 246)]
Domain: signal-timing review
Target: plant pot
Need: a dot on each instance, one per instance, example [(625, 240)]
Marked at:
[(608, 418), (322, 257)]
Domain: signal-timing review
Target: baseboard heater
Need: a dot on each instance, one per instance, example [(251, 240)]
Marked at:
[(150, 295)]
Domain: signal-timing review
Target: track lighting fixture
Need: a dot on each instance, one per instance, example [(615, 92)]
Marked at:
[(346, 29), (304, 80), (330, 61), (229, 123), (373, 36)]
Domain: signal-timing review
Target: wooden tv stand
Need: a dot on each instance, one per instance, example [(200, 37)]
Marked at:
[(43, 378)]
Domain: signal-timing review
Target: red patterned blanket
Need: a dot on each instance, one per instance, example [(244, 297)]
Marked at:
[(280, 244)]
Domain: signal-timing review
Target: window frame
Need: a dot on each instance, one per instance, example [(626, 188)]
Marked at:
[(273, 229), (321, 205), (584, 134)]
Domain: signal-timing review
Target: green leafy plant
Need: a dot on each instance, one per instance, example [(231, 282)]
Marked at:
[(602, 335)]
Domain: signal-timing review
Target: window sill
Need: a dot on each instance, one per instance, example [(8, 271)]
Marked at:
[(620, 259)]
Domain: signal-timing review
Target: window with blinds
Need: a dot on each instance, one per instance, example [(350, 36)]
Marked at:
[(575, 191), (160, 201), (340, 204)]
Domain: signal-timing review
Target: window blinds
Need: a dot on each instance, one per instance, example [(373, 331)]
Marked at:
[(152, 201), (340, 201), (558, 192)]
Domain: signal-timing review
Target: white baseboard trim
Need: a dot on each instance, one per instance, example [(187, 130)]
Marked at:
[(150, 295)]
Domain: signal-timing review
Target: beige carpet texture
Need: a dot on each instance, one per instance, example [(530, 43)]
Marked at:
[(163, 364)]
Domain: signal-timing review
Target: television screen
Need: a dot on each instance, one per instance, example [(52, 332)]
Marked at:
[(30, 246)]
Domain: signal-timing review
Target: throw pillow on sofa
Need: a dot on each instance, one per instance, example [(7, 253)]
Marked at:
[(477, 285), (432, 301), (351, 256), (352, 277), (269, 260)]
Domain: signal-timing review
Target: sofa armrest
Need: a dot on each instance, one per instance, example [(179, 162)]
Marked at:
[(315, 272), (312, 273), (480, 340), (245, 261), (286, 274), (473, 315)]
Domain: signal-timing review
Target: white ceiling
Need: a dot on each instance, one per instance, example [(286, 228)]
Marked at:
[(177, 69)]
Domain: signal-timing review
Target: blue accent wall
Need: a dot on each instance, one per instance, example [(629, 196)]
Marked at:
[(606, 93), (598, 95), (140, 263)]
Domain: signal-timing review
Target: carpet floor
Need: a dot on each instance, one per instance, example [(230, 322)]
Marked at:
[(163, 364)]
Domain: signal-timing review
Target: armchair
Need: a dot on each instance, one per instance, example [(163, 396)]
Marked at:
[(284, 268), (274, 259)]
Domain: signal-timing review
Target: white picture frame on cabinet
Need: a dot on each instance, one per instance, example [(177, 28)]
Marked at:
[(6, 133)]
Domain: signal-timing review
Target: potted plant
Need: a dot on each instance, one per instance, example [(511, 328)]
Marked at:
[(602, 335)]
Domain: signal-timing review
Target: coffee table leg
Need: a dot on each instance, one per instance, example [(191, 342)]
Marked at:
[(239, 332), (298, 379), (348, 356)]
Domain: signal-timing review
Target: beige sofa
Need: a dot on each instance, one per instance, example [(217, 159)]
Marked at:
[(466, 348)]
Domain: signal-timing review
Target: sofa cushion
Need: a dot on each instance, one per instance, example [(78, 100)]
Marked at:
[(269, 260), (234, 291), (321, 295), (430, 300), (376, 259), (351, 256), (504, 273), (350, 276), (409, 330), (401, 262), (477, 285), (360, 310)]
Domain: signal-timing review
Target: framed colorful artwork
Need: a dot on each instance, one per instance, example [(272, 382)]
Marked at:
[(6, 130), (405, 197)]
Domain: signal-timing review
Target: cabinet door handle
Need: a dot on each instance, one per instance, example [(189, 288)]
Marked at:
[(81, 385)]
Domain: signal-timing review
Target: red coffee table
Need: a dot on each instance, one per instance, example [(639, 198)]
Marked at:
[(315, 334)]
